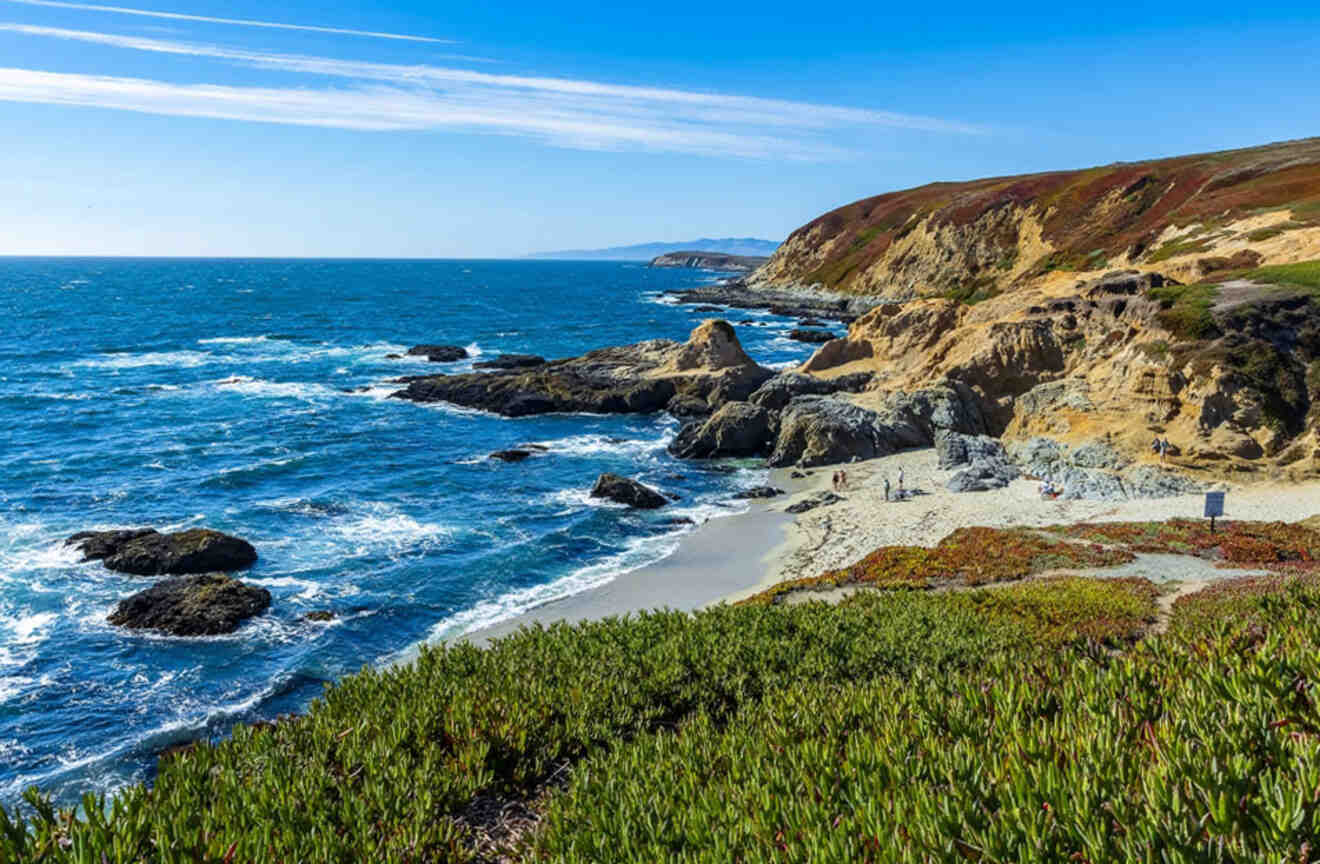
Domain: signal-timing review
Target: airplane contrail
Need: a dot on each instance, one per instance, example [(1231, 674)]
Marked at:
[(243, 22)]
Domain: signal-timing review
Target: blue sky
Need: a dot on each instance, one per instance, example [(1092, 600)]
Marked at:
[(498, 129)]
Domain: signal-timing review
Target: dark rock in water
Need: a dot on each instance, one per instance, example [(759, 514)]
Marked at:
[(709, 310), (759, 492), (511, 455), (147, 552), (679, 520), (688, 406), (624, 491), (96, 545), (674, 478), (776, 393), (737, 429), (205, 605), (815, 337), (812, 322), (632, 379), (798, 475), (438, 353), (393, 356), (320, 615), (510, 361), (536, 448), (820, 499), (820, 430)]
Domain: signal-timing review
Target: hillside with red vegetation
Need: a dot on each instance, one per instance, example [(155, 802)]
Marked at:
[(1187, 216)]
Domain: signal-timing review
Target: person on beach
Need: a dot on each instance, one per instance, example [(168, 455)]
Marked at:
[(1155, 445), (1164, 449), (834, 480), (900, 482), (843, 479), (886, 487)]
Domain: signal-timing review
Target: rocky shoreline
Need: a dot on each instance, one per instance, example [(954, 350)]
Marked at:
[(739, 294)]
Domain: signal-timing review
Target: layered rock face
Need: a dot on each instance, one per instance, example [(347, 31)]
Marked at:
[(709, 368), (1113, 358)]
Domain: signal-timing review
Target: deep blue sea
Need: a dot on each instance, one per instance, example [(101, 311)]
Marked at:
[(223, 393)]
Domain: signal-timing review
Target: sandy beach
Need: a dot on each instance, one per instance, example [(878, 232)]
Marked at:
[(730, 558)]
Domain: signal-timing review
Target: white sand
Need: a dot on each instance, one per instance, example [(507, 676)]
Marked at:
[(840, 534)]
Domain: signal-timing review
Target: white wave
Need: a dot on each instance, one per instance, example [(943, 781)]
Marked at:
[(11, 686), (307, 588), (233, 340), (640, 552), (474, 350), (786, 364), (260, 387), (575, 499), (596, 445), (662, 299), (30, 628), (384, 527), (177, 359)]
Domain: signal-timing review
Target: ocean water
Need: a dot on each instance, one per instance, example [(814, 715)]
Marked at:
[(251, 397)]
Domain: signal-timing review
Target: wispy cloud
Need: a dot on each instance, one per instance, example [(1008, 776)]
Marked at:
[(565, 112), (205, 19)]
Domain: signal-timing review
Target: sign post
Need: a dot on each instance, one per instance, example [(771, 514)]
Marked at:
[(1214, 506)]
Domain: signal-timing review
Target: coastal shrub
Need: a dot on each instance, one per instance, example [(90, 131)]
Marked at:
[(968, 556), (1305, 274), (1234, 543), (1186, 310), (1245, 601), (1177, 751), (383, 765)]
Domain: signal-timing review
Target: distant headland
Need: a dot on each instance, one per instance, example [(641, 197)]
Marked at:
[(748, 246)]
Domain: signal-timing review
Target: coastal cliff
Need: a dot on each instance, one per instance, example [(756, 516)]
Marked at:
[(1168, 299), (709, 261)]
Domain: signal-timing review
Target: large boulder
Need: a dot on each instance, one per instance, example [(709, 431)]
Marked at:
[(777, 392), (983, 475), (206, 605), (621, 490), (815, 337), (820, 430), (917, 416), (737, 429), (954, 449), (147, 552), (439, 353)]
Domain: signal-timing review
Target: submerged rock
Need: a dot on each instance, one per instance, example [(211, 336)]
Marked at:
[(737, 429), (205, 605), (515, 455), (439, 353), (624, 491), (147, 552), (319, 615), (816, 337)]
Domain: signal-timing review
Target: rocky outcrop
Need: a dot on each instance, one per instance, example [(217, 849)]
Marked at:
[(916, 418), (738, 294), (820, 430), (987, 464), (147, 552), (776, 393), (1094, 470), (621, 490), (439, 353), (511, 361), (737, 429), (642, 378), (205, 605), (820, 499)]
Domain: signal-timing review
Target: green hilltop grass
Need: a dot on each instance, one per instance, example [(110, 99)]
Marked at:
[(1029, 722)]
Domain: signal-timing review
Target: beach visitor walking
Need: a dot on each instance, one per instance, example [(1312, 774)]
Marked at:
[(886, 487)]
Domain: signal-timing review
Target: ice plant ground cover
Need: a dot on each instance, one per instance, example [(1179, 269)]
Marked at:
[(1039, 721)]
